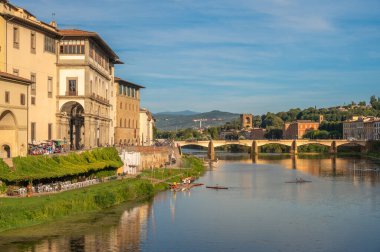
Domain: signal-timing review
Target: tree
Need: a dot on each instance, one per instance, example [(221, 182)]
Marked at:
[(274, 134), (257, 121), (271, 120), (373, 100), (316, 134)]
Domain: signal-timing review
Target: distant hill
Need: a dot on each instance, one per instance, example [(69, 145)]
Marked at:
[(185, 113), (178, 121)]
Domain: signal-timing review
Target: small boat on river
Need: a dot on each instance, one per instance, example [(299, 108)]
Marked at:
[(217, 187)]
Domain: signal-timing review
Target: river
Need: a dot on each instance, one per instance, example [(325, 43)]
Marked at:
[(338, 211)]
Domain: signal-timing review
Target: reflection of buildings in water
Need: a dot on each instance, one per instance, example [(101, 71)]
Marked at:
[(126, 236), (133, 228), (172, 206), (357, 169)]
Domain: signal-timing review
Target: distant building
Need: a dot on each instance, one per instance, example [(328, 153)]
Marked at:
[(246, 121), (127, 116), (229, 135), (361, 128), (258, 133), (297, 129), (147, 123), (246, 133)]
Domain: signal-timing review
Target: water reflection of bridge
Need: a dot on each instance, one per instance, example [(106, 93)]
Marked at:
[(333, 144)]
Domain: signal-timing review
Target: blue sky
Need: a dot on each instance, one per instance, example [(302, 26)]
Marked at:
[(235, 55)]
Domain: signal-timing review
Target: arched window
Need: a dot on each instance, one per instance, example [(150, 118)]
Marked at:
[(120, 123), (125, 123), (129, 123)]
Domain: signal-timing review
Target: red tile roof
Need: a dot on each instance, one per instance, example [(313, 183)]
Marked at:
[(14, 77)]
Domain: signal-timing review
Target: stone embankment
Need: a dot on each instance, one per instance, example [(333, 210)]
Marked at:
[(153, 156)]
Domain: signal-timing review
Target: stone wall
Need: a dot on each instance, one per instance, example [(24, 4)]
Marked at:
[(151, 156)]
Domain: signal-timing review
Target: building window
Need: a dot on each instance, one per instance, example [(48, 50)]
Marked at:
[(129, 91), (16, 37), (125, 123), (15, 72), (121, 105), (33, 86), (33, 42), (33, 100), (121, 123), (50, 87), (22, 99), (120, 89), (71, 47), (50, 131), (7, 97), (49, 44), (72, 87), (33, 131)]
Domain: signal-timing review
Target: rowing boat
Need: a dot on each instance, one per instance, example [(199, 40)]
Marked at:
[(217, 187)]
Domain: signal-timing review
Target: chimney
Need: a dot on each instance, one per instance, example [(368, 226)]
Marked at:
[(53, 23)]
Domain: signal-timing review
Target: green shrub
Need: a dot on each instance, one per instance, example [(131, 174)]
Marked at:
[(46, 167)]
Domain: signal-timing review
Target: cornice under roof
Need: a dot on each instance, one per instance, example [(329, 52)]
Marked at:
[(117, 79)]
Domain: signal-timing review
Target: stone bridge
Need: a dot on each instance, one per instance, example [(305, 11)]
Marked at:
[(255, 144)]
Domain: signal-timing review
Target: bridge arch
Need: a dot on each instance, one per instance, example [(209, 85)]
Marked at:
[(328, 144), (275, 148), (351, 143)]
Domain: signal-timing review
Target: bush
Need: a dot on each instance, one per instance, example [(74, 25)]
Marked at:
[(45, 167)]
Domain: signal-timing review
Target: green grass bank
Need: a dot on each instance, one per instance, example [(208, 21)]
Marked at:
[(23, 212)]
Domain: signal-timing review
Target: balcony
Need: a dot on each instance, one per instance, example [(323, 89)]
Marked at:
[(100, 99)]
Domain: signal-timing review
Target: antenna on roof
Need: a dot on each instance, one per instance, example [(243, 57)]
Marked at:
[(53, 23)]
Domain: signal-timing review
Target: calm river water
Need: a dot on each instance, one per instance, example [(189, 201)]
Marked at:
[(338, 211)]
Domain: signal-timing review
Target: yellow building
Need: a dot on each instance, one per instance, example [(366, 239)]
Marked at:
[(28, 50), (13, 115), (72, 78), (127, 117), (85, 89)]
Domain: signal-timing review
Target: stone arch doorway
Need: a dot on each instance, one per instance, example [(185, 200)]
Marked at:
[(7, 150), (75, 116), (8, 135)]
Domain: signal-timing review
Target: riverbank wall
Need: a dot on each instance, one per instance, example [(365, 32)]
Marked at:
[(153, 156)]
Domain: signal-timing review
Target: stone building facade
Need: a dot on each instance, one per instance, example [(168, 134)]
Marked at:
[(127, 106), (71, 74), (297, 129), (28, 50), (362, 128), (246, 121), (86, 80), (147, 123), (13, 115)]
